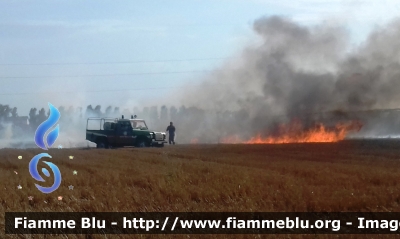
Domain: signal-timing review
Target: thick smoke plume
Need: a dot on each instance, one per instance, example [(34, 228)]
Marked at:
[(300, 71)]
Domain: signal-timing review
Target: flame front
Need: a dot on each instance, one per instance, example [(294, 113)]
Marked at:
[(295, 133)]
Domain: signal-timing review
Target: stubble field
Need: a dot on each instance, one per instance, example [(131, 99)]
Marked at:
[(347, 176)]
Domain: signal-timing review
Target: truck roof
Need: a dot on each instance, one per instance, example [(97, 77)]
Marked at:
[(114, 119)]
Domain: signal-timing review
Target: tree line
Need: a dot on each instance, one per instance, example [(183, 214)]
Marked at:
[(191, 122)]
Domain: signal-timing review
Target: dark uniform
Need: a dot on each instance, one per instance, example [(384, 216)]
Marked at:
[(171, 133)]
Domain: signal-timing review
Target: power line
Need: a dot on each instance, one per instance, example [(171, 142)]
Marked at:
[(89, 91), (102, 75), (113, 62)]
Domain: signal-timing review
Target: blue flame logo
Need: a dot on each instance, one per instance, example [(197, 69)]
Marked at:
[(40, 142), (46, 125)]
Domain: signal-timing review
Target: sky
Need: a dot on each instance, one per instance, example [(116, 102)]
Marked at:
[(139, 53)]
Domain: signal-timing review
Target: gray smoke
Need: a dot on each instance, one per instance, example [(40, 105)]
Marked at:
[(311, 74), (298, 71)]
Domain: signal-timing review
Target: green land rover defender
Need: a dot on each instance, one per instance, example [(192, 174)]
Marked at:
[(114, 133)]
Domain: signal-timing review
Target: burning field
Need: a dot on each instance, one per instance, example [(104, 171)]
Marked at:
[(265, 132), (345, 176), (300, 84), (296, 133)]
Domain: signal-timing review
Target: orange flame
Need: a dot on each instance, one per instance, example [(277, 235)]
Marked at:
[(295, 133)]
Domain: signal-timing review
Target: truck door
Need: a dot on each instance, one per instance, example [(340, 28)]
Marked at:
[(124, 134)]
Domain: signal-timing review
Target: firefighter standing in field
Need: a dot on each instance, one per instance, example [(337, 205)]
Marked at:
[(171, 133)]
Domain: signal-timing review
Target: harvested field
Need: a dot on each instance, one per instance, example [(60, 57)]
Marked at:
[(346, 176)]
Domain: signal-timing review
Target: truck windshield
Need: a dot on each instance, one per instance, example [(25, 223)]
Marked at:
[(138, 124)]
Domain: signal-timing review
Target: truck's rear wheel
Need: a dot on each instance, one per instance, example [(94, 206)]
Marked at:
[(102, 145)]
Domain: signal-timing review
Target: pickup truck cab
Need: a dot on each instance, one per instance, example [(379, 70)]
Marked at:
[(114, 133)]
